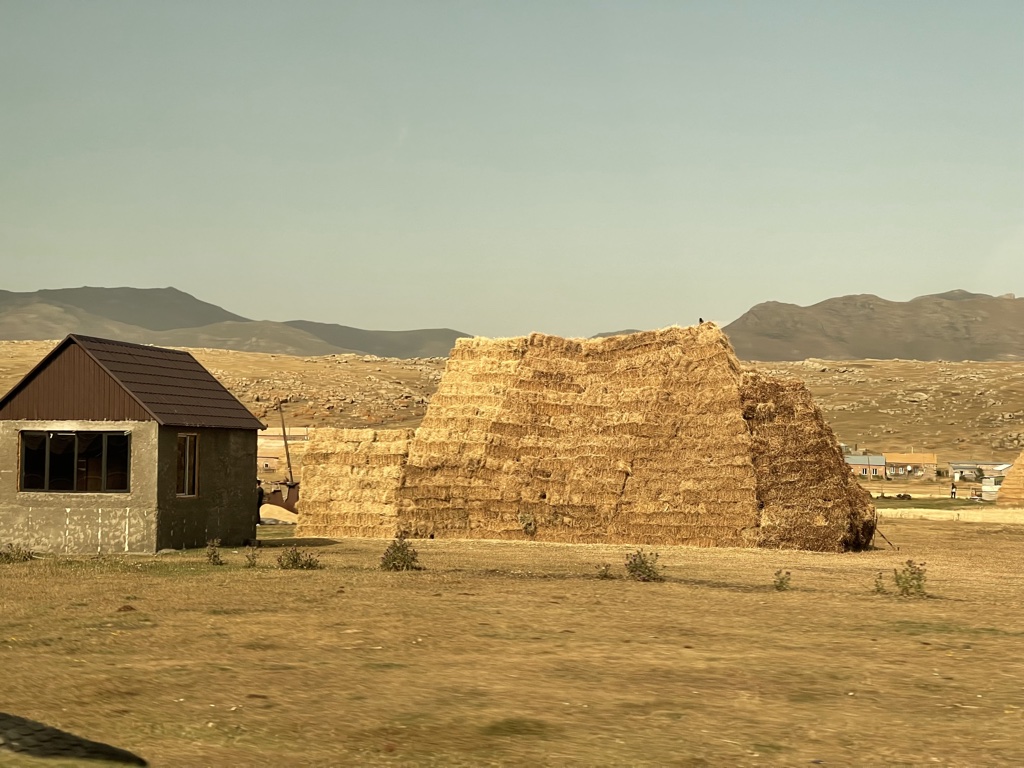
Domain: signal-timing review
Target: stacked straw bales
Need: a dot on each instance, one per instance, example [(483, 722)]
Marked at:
[(350, 481), (648, 438), (807, 496), (1011, 492)]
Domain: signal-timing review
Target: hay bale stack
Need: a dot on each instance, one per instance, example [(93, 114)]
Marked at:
[(808, 497), (1011, 492), (350, 482), (629, 439), (657, 437)]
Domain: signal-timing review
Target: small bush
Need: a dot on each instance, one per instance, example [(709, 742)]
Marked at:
[(15, 553), (604, 571), (529, 524), (880, 585), (400, 556), (781, 581), (252, 555), (213, 552), (642, 566), (294, 559), (910, 579)]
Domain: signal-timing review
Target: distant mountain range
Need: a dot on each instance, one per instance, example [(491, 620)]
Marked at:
[(169, 317), (948, 326)]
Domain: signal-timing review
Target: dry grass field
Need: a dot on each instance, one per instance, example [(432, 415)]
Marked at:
[(516, 654)]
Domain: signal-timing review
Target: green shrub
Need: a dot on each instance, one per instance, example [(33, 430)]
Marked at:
[(15, 553), (400, 556), (910, 579), (252, 555), (528, 523), (294, 559), (642, 566), (604, 571), (781, 581), (880, 585), (213, 552)]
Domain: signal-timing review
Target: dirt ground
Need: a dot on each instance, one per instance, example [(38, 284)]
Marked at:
[(515, 654)]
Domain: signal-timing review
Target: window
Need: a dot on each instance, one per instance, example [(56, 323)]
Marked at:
[(83, 462), (863, 470), (874, 470), (188, 447)]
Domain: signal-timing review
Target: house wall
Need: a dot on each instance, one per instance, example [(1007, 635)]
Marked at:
[(225, 506), (917, 470), (80, 523)]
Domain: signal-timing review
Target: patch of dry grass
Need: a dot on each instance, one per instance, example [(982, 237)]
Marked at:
[(516, 654)]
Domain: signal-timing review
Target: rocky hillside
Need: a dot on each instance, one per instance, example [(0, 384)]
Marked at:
[(960, 410)]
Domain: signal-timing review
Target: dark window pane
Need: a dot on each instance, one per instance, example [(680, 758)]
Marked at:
[(62, 463), (118, 452), (90, 462), (182, 463), (192, 463), (33, 461)]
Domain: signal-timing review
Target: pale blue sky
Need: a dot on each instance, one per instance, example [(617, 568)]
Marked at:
[(506, 167)]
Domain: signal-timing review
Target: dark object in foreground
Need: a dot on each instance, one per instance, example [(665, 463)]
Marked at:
[(27, 737)]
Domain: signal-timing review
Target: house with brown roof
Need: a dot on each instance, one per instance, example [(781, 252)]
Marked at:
[(107, 446), (911, 465)]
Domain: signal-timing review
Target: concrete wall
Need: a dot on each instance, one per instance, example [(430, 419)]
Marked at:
[(80, 523), (225, 506)]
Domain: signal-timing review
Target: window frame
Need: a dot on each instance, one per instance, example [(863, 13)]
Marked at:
[(191, 490), (48, 434)]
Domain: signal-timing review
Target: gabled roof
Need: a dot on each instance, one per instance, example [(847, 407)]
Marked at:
[(911, 458), (169, 384), (871, 460)]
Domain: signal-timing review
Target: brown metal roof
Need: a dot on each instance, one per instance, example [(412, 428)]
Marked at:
[(171, 386)]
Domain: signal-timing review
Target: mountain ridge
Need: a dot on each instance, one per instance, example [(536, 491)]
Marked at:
[(171, 317), (955, 325)]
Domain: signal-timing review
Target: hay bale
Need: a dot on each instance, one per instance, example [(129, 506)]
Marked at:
[(350, 482), (1011, 492), (809, 499)]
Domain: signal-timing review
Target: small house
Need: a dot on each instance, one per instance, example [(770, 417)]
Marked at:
[(867, 465), (107, 446), (911, 465), (974, 471)]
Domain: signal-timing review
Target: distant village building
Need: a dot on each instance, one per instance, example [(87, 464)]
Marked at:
[(973, 471), (107, 446), (911, 465), (867, 465)]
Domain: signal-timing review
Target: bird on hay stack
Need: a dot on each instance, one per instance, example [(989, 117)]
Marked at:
[(28, 737)]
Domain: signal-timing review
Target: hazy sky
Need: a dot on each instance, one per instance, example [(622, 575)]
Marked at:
[(505, 167)]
